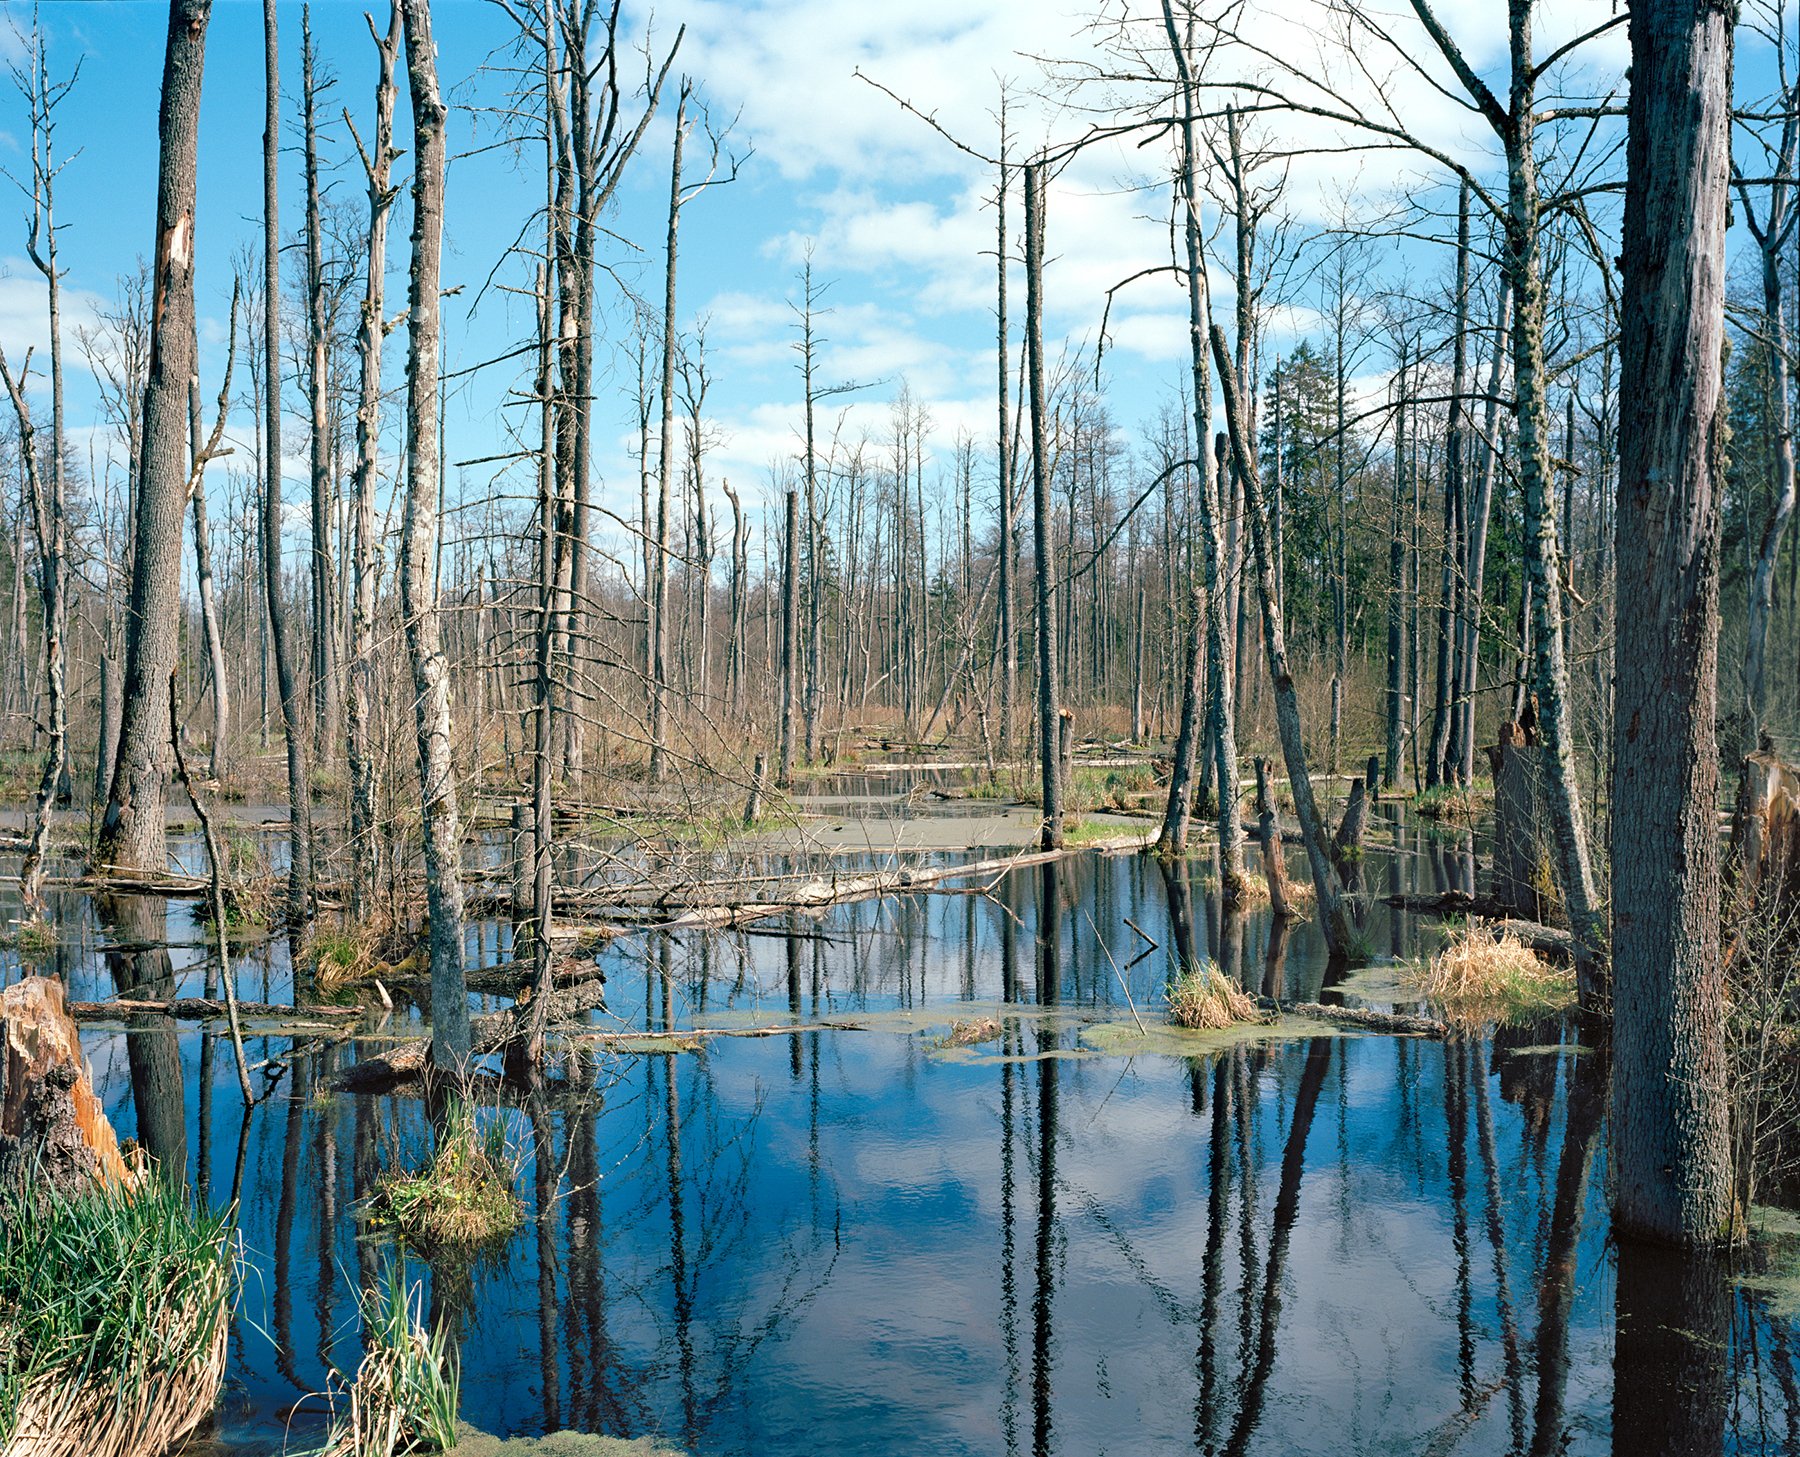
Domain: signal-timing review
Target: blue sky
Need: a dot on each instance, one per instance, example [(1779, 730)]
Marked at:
[(898, 220)]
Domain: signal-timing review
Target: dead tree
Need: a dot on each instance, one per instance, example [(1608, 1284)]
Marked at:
[(1671, 1110), (203, 574), (50, 528), (1048, 704), (659, 660), (1772, 232), (293, 708), (441, 822), (1454, 587), (1333, 919), (131, 834), (378, 163), (790, 627), (1221, 716), (325, 705)]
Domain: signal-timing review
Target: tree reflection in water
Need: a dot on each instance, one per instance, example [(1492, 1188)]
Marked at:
[(848, 1241)]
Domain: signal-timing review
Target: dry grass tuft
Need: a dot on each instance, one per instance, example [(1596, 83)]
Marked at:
[(1201, 998), (1485, 975), (968, 1034)]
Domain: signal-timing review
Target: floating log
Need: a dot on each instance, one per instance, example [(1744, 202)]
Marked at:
[(1372, 1021), (54, 1132), (203, 1009), (489, 1033)]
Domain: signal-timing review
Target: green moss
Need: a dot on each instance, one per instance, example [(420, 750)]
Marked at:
[(471, 1443), (1126, 1039)]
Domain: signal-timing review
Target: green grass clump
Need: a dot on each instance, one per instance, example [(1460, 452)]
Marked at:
[(463, 1199), (33, 938), (404, 1396), (1199, 996), (115, 1306), (251, 889)]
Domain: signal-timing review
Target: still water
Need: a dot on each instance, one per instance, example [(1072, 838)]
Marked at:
[(856, 1241)]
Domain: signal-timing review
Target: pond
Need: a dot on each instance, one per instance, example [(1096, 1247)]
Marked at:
[(1070, 1238)]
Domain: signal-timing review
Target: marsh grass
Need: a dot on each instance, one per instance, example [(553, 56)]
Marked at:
[(1200, 997), (463, 1199), (404, 1396), (252, 890), (1483, 975), (115, 1308), (33, 938), (1452, 803)]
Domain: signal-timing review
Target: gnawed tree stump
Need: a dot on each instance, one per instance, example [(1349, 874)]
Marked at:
[(1765, 831), (54, 1134), (1524, 883)]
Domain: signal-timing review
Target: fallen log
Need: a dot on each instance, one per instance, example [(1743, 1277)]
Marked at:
[(686, 1039), (1372, 1021), (817, 894), (1553, 940), (202, 1009), (490, 1033)]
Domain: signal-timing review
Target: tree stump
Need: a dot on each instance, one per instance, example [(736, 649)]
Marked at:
[(1765, 830), (54, 1134)]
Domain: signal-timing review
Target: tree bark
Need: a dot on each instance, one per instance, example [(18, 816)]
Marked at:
[(131, 833), (418, 576), (1671, 1114)]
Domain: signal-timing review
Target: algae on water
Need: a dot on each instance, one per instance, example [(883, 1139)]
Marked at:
[(472, 1443)]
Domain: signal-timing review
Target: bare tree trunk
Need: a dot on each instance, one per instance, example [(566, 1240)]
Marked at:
[(293, 709), (49, 511), (132, 832), (1771, 236), (324, 619), (49, 526), (1671, 1112), (1221, 726), (418, 577), (365, 855), (1178, 808), (1332, 918), (1475, 561), (203, 572), (1004, 631), (1396, 603), (790, 628), (1048, 706), (659, 671), (1550, 676), (1451, 586)]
